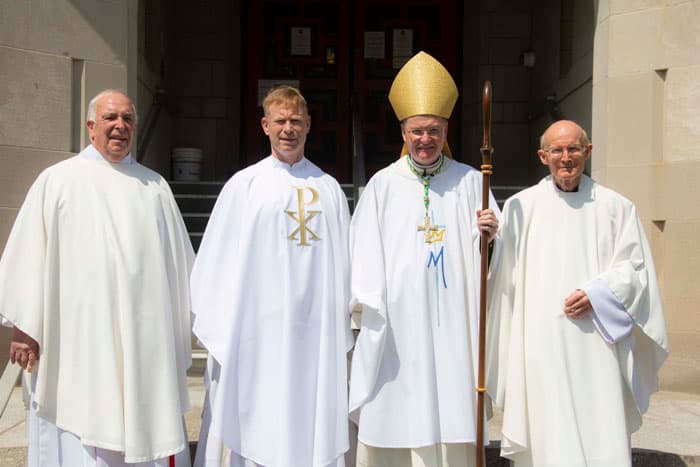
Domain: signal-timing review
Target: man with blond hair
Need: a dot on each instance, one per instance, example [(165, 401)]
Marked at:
[(269, 294), (94, 280)]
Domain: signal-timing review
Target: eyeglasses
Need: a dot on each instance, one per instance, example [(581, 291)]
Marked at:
[(432, 132), (572, 150)]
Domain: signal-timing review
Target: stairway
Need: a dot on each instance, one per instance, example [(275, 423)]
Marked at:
[(196, 200), (503, 192)]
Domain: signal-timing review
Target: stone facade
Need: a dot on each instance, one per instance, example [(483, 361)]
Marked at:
[(646, 135), (627, 70)]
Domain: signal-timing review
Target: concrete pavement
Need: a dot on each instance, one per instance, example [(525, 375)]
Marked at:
[(669, 437)]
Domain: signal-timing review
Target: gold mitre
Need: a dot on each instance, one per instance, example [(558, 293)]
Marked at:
[(423, 87)]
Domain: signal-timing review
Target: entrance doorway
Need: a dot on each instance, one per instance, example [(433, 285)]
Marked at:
[(343, 56)]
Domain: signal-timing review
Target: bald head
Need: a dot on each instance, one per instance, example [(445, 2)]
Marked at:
[(565, 148), (564, 126)]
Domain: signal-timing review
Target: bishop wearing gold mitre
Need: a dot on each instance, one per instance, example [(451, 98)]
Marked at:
[(414, 241)]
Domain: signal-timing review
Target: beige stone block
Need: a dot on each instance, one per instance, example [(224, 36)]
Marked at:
[(635, 41), (81, 29), (635, 111), (599, 129), (681, 371), (681, 35), (89, 79), (654, 230), (601, 51), (35, 100), (682, 263), (637, 183), (101, 76), (19, 167), (682, 125), (675, 190), (630, 6), (603, 10), (660, 191)]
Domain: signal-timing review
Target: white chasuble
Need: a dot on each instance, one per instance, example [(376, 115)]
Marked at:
[(270, 288), (569, 397), (414, 369), (96, 271)]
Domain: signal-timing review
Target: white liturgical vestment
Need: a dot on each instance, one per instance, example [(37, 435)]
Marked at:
[(571, 394), (270, 289), (414, 365), (96, 271)]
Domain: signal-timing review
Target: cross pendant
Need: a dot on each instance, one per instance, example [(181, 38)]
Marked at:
[(428, 229)]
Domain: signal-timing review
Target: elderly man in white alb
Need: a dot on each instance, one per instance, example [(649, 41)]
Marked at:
[(576, 333), (415, 271), (94, 279)]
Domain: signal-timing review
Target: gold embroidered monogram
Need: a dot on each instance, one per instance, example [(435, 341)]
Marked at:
[(433, 233), (302, 217), (436, 236)]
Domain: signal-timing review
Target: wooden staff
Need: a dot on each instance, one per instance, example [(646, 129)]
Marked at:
[(486, 152)]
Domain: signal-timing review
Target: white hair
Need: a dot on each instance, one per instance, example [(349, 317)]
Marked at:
[(93, 103)]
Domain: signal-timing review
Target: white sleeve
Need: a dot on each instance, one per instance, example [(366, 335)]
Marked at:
[(609, 315)]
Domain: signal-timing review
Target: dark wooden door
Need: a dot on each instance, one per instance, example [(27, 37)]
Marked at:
[(343, 55)]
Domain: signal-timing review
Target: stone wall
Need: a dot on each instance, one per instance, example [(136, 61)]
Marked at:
[(55, 55), (646, 130)]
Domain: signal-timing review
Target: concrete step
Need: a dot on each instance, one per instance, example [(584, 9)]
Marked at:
[(195, 221), (192, 203), (201, 188), (196, 201), (503, 192)]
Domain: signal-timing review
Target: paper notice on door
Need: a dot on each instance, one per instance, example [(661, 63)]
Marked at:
[(300, 41), (403, 47), (374, 44)]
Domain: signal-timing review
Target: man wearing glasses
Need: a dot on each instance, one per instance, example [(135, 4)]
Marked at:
[(415, 272), (576, 332)]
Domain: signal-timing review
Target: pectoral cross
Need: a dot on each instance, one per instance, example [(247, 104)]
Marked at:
[(428, 229)]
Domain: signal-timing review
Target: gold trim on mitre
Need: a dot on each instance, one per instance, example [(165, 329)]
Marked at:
[(423, 87)]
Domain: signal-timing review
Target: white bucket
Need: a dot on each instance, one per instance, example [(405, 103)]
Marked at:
[(186, 164)]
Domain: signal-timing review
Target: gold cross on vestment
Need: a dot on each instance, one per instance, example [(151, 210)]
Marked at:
[(428, 228)]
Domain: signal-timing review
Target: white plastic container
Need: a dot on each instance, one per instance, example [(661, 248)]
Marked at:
[(186, 164)]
